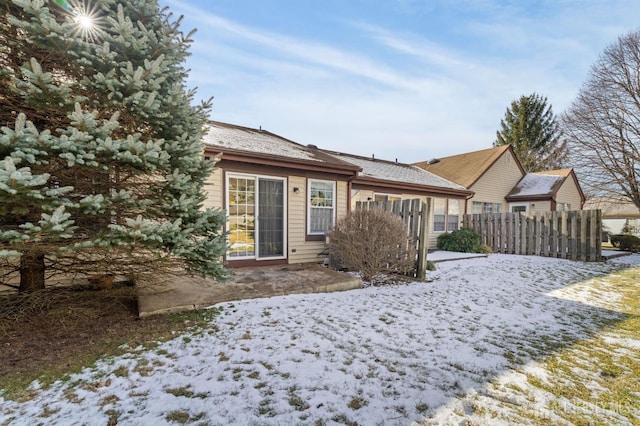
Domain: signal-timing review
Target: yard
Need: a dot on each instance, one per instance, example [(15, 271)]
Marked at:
[(504, 339)]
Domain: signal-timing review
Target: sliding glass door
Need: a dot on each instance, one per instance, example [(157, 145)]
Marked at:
[(256, 208)]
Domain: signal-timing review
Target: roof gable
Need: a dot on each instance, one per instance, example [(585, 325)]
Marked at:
[(465, 169)]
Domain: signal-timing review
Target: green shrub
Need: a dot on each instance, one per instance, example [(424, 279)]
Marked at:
[(629, 243), (485, 249), (615, 239), (431, 266), (462, 240)]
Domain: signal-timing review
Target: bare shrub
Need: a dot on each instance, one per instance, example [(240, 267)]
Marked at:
[(373, 243)]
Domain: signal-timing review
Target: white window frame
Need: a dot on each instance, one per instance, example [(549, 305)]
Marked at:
[(525, 205), (450, 215), (309, 206), (440, 213)]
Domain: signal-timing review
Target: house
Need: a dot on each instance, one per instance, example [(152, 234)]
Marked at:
[(618, 214), (553, 190), (381, 180), (281, 197), (500, 183), (490, 173)]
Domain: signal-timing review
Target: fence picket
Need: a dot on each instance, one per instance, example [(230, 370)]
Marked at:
[(414, 214), (575, 235)]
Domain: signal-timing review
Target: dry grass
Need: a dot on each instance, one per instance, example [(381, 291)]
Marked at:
[(52, 333)]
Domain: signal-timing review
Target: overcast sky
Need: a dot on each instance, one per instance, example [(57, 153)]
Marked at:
[(405, 79)]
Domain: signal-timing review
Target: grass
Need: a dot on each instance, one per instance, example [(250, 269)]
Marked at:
[(147, 333), (595, 380)]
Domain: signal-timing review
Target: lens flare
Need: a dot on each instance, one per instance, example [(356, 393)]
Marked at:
[(86, 18)]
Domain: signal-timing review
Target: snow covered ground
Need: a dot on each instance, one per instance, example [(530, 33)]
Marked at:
[(421, 352)]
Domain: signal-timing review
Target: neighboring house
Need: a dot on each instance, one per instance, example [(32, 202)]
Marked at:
[(381, 180), (553, 190), (500, 183), (618, 214), (490, 174), (281, 197)]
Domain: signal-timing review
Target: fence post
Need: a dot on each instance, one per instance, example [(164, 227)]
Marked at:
[(573, 235), (421, 272)]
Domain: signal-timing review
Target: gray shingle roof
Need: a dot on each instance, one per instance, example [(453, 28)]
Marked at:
[(255, 141), (396, 172)]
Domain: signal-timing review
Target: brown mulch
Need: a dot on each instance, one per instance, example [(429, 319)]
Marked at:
[(60, 328)]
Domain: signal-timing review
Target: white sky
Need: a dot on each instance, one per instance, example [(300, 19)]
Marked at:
[(406, 79)]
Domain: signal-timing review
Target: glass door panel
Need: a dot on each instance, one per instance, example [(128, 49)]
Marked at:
[(270, 218), (241, 194)]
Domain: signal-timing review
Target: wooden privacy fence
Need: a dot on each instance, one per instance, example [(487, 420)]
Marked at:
[(575, 235), (415, 217)]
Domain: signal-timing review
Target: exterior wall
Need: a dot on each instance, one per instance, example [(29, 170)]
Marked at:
[(213, 189), (497, 182), (300, 250), (360, 195), (568, 193), (541, 206)]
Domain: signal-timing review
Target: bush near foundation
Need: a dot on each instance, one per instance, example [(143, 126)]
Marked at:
[(629, 243), (463, 240)]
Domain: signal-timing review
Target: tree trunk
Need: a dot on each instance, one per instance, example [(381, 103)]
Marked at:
[(31, 271)]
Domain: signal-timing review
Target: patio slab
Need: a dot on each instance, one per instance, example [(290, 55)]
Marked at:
[(190, 293)]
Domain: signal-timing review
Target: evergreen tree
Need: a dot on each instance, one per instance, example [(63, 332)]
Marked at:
[(530, 126), (101, 161)]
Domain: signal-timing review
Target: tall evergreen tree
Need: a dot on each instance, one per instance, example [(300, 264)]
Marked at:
[(530, 126), (101, 161)]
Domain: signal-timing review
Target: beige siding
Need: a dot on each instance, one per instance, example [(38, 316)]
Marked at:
[(298, 248), (360, 195), (213, 189), (569, 193), (301, 251), (496, 183), (540, 206)]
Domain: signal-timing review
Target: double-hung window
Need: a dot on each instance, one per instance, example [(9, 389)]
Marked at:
[(453, 215), (439, 214), (322, 206)]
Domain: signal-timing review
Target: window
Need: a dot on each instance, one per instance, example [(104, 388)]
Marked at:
[(478, 207), (321, 206), (439, 214), (563, 207), (453, 215)]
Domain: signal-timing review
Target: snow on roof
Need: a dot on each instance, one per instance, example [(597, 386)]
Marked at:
[(533, 184), (396, 172), (254, 140)]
